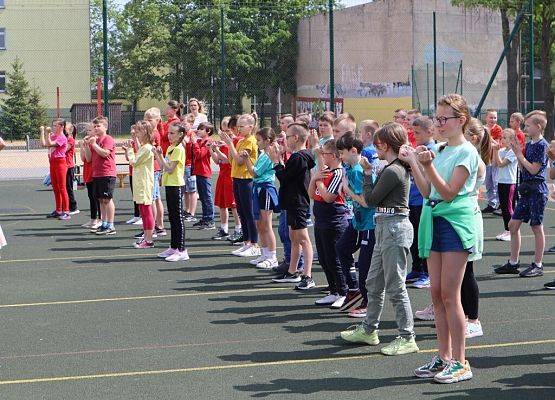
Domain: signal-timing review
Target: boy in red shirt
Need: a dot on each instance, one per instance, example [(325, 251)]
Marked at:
[(101, 152), (203, 171), (515, 123), (492, 171)]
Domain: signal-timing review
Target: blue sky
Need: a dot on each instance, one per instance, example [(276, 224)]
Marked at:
[(347, 3)]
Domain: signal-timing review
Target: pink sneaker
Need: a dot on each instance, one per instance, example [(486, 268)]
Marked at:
[(426, 314), (168, 253), (143, 244)]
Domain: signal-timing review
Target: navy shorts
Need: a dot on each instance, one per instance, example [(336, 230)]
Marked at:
[(264, 201), (531, 208), (297, 219), (445, 238)]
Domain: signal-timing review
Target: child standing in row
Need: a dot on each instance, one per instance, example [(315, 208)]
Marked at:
[(264, 198), (173, 180), (202, 169), (94, 204), (330, 212), (294, 178), (533, 196), (57, 145), (143, 181), (505, 159), (492, 170), (388, 269)]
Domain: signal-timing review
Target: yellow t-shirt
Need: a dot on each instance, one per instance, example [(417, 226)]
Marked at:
[(176, 178), (241, 171)]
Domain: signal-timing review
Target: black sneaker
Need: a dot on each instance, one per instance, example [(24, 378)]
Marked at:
[(53, 214), (498, 212), (551, 250), (305, 283), (288, 278), (207, 225), (532, 271), (549, 285), (221, 235), (282, 268), (160, 231), (198, 223), (139, 235), (102, 230), (110, 231), (237, 239), (508, 268), (488, 210)]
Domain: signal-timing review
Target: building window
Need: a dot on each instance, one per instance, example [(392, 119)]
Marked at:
[(2, 81), (2, 38), (2, 5)]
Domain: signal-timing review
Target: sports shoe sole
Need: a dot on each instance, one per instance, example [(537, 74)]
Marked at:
[(465, 377)]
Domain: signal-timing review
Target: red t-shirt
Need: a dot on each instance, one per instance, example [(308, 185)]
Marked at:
[(521, 138), (225, 168), (70, 152), (189, 150), (164, 140), (87, 172), (496, 132), (201, 154), (412, 140), (102, 167)]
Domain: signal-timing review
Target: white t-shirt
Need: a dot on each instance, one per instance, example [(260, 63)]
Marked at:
[(507, 174), (199, 119)]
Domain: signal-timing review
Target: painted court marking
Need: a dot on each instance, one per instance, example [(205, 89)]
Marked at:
[(247, 365)]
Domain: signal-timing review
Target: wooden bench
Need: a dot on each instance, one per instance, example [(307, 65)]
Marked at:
[(121, 178)]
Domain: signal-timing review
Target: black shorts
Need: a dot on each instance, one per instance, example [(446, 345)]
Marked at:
[(296, 219), (104, 187)]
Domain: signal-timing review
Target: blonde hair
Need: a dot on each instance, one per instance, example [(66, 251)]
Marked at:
[(145, 127), (368, 126), (200, 104), (538, 117), (350, 121), (518, 116), (510, 131), (225, 122), (459, 106), (475, 127), (153, 113), (300, 129)]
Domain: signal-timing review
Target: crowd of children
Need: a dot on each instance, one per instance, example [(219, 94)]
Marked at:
[(407, 189)]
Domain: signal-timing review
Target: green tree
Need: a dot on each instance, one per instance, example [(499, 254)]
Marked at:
[(15, 121), (37, 111)]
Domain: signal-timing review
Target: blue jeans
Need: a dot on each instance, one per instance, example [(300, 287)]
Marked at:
[(204, 188), (283, 231)]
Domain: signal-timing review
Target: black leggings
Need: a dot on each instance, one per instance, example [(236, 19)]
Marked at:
[(94, 204), (506, 201), (70, 177), (469, 292), (136, 212), (174, 200), (418, 264)]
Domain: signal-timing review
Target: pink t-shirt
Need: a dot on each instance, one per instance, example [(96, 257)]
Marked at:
[(101, 166), (61, 145)]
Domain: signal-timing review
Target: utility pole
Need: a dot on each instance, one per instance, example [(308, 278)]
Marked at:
[(222, 63), (105, 53), (332, 62)]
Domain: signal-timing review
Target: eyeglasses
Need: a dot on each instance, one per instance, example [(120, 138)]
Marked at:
[(328, 154), (289, 136), (442, 120)]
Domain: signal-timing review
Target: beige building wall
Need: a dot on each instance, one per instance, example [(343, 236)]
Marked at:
[(376, 45), (51, 38)]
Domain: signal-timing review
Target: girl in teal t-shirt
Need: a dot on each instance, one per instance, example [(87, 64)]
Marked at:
[(447, 177)]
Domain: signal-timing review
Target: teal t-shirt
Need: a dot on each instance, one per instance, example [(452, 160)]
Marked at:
[(363, 217), (264, 169), (449, 158)]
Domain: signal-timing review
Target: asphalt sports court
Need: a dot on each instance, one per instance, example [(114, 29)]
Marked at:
[(88, 317)]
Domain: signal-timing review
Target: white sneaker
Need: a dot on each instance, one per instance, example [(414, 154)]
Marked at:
[(178, 256), (96, 226), (504, 237), (268, 263), (473, 329), (339, 302), (74, 212), (87, 225), (167, 253), (328, 300), (240, 249), (258, 260), (252, 251), (138, 222), (132, 220), (426, 314)]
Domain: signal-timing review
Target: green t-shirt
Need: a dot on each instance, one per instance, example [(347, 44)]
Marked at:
[(176, 178), (449, 158)]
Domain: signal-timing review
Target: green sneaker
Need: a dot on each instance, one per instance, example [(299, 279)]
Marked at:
[(400, 346), (431, 369), (359, 335), (454, 372)]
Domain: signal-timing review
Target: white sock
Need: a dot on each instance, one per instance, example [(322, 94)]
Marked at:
[(539, 264), (238, 228), (224, 227), (264, 251), (271, 255), (513, 262)]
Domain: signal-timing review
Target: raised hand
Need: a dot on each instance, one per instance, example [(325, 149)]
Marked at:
[(321, 175), (426, 157), (365, 164)]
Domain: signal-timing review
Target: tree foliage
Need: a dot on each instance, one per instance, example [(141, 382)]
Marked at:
[(37, 110), (15, 121)]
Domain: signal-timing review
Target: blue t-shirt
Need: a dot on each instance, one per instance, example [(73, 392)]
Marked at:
[(535, 153), (363, 219), (415, 198), (264, 169)]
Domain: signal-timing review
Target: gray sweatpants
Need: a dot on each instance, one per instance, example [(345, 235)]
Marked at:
[(388, 270), (492, 172)]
